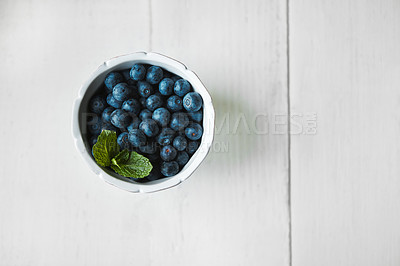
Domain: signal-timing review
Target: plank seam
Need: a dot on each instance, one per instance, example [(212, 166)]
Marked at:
[(288, 133)]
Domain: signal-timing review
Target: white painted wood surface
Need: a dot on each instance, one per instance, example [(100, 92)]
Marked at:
[(232, 211), (345, 67), (235, 210)]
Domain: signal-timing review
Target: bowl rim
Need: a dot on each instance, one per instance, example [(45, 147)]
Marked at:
[(208, 122)]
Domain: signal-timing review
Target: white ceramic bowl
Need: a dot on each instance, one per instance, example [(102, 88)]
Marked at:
[(90, 87)]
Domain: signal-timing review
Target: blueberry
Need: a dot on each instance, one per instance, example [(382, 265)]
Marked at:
[(181, 87), (194, 131), (93, 140), (113, 79), (113, 102), (142, 101), (130, 82), (155, 157), (166, 136), (196, 116), (136, 137), (133, 91), (169, 168), (179, 121), (192, 147), (137, 72), (123, 141), (180, 143), (138, 180), (175, 78), (161, 116), (121, 91), (174, 103), (120, 118), (154, 75), (92, 118), (182, 158), (106, 116), (145, 89), (125, 74), (166, 86), (168, 153), (97, 104), (149, 127), (94, 124), (131, 106), (153, 102), (135, 123), (145, 114), (108, 126), (149, 148), (154, 174), (192, 102)]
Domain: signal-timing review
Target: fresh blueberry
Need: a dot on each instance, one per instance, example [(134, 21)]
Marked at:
[(194, 131), (135, 123), (181, 87), (145, 89), (192, 102), (154, 174), (93, 140), (131, 82), (106, 116), (168, 153), (131, 106), (154, 75), (113, 102), (196, 116), (182, 158), (192, 147), (108, 126), (174, 103), (169, 168), (180, 143), (166, 86), (166, 136), (94, 124), (121, 92), (154, 158), (137, 72), (142, 101), (179, 121), (136, 137), (149, 148), (120, 118), (175, 78), (153, 102), (133, 91), (97, 104), (125, 74), (123, 141), (145, 114), (161, 116), (113, 79), (149, 127)]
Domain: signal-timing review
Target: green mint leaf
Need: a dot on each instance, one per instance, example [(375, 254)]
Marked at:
[(131, 164), (105, 148)]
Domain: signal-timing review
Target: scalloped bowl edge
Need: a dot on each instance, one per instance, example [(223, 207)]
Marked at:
[(118, 63)]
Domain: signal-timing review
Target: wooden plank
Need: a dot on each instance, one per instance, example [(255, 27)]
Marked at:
[(233, 210), (54, 210), (344, 66)]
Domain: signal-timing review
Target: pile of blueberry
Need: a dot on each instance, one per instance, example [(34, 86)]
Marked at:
[(154, 113)]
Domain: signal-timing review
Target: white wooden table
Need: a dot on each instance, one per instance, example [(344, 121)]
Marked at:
[(326, 194)]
